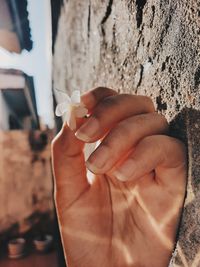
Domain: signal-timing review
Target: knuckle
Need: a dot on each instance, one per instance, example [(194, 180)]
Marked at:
[(150, 140), (108, 102), (159, 144), (179, 147), (100, 91), (123, 130), (162, 120), (119, 137), (128, 128), (104, 108), (128, 98), (149, 103), (113, 140), (97, 91), (139, 120), (112, 102)]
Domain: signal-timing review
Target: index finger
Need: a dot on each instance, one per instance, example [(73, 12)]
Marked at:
[(91, 98)]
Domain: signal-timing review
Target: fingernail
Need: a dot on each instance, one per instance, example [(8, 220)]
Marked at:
[(98, 160), (82, 136), (88, 130), (92, 168), (124, 172)]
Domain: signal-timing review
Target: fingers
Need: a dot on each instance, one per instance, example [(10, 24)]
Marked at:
[(123, 138), (132, 144), (67, 155), (68, 167), (110, 111), (165, 155)]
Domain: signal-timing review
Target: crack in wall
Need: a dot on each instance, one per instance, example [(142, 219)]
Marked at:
[(108, 12), (89, 19), (139, 12), (139, 39), (114, 45), (197, 77), (160, 104), (153, 16), (141, 75), (166, 25), (106, 16)]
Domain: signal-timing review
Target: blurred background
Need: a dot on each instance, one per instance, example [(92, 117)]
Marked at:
[(29, 233)]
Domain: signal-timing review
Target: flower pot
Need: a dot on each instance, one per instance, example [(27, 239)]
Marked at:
[(16, 248), (44, 243)]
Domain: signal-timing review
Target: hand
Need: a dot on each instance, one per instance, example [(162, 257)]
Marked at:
[(128, 216)]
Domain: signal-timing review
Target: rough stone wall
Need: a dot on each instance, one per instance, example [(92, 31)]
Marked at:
[(149, 47), (25, 181)]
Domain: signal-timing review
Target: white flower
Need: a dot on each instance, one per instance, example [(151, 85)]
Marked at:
[(72, 108)]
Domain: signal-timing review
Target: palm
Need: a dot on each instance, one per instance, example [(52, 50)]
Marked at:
[(119, 224)]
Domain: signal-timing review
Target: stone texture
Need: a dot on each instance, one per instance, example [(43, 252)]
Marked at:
[(141, 47), (25, 179)]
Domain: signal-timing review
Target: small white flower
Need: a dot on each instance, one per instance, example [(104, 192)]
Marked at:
[(72, 108)]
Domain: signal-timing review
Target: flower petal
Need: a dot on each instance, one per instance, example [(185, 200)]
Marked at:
[(62, 95), (76, 97), (80, 111), (61, 109)]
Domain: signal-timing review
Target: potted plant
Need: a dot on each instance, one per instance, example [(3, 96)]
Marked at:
[(43, 242), (16, 248)]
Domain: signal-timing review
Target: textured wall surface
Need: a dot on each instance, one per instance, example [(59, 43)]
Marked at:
[(25, 180), (149, 47)]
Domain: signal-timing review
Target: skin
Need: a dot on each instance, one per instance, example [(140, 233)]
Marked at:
[(128, 216)]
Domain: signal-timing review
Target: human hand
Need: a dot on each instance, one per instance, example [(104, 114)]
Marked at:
[(128, 216)]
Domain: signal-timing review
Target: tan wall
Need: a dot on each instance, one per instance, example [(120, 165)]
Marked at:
[(5, 17), (8, 38), (141, 47), (25, 180)]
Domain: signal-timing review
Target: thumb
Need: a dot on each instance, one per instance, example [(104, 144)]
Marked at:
[(68, 167)]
